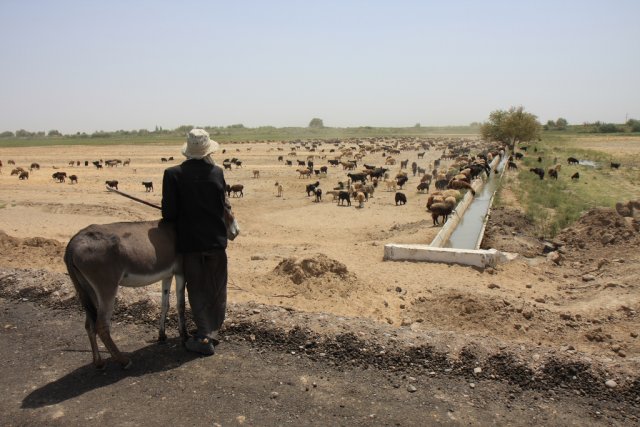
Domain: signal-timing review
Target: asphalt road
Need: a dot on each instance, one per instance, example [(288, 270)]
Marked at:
[(46, 378)]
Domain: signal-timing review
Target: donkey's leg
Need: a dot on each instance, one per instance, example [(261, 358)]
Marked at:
[(103, 325), (90, 326), (182, 325), (166, 293)]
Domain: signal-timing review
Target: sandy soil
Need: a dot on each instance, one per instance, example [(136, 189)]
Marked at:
[(585, 303)]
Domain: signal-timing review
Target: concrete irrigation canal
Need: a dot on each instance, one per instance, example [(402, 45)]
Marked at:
[(460, 237)]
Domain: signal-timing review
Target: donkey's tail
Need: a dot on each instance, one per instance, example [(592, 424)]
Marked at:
[(82, 285)]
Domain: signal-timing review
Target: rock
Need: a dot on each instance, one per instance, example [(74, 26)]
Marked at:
[(274, 394), (411, 388), (493, 286), (540, 300), (611, 384), (555, 257), (258, 257), (588, 277), (398, 289), (622, 353), (527, 314), (477, 370), (528, 286), (472, 385), (490, 270), (607, 238), (634, 334), (256, 311), (406, 322)]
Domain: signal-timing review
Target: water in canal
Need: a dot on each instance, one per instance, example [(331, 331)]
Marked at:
[(468, 232)]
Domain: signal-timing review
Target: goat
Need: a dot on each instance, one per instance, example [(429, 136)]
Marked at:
[(236, 189), (23, 175), (575, 176), (615, 165), (318, 194), (553, 173), (414, 168), (163, 159), (400, 198), (256, 174), (357, 177), (360, 197), (148, 186), (112, 184), (573, 161), (512, 165), (73, 179), (304, 173), (402, 180), (35, 166), (279, 189), (344, 196), (311, 188)]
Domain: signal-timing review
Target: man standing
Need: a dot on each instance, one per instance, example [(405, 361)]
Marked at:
[(193, 198)]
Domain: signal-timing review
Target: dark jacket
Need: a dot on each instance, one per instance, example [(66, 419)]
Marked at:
[(193, 197)]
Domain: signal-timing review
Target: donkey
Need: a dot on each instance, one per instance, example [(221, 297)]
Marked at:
[(100, 258)]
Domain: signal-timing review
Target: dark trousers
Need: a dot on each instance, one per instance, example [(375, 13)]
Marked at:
[(206, 277)]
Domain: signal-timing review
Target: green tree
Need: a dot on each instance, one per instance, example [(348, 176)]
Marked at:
[(316, 123), (6, 134), (54, 132), (21, 133), (562, 123), (511, 126), (634, 125)]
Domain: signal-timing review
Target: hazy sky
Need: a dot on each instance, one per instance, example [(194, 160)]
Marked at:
[(107, 65)]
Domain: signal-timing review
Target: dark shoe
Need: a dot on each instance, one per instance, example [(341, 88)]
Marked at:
[(203, 346)]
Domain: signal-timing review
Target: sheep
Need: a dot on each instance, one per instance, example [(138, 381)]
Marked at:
[(615, 165), (442, 209), (575, 176), (11, 162), (15, 171), (451, 193), (441, 184), (35, 166), (318, 194), (311, 188), (423, 186), (333, 194), (553, 173), (434, 198), (236, 189), (402, 180), (414, 168), (538, 171), (73, 179), (573, 161), (344, 196), (226, 164), (458, 185), (59, 176), (23, 175), (112, 184), (404, 163), (421, 155), (391, 185), (148, 186), (125, 163), (279, 189), (421, 171), (426, 177), (512, 165), (400, 198)]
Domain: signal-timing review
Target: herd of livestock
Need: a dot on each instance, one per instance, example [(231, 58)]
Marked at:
[(363, 166)]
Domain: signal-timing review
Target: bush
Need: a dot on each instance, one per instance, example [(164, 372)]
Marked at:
[(608, 128)]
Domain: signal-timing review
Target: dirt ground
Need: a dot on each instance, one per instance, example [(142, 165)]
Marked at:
[(581, 302)]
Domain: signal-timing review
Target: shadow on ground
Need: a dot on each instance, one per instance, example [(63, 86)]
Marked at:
[(147, 360)]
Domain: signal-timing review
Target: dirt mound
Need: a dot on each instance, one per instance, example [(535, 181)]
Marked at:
[(31, 252), (319, 265), (509, 230), (600, 227)]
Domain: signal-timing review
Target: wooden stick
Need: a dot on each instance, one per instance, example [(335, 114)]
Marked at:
[(144, 202)]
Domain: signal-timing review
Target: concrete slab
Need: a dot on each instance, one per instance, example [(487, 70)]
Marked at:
[(475, 257)]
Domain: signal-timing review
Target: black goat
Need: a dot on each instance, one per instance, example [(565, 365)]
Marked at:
[(575, 176), (311, 188), (573, 161), (400, 198), (538, 171)]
